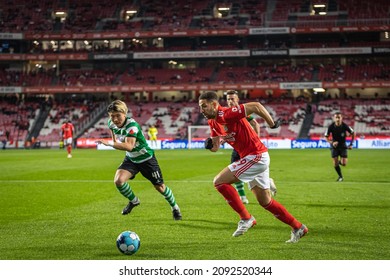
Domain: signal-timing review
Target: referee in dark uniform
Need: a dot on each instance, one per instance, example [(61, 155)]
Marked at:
[(338, 146)]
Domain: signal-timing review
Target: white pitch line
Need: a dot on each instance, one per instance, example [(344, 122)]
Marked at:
[(95, 181), (176, 181)]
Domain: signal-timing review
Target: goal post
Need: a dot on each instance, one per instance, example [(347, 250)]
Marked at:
[(197, 133)]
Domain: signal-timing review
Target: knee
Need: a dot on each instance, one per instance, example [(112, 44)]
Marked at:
[(265, 202), (119, 181), (217, 181), (263, 196), (160, 188)]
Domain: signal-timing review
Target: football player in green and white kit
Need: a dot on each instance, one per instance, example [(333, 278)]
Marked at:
[(127, 136)]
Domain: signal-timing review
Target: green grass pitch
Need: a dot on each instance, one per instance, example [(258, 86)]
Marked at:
[(55, 208)]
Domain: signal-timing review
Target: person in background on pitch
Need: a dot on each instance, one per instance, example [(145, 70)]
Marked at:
[(127, 136), (338, 146), (152, 133), (233, 100), (230, 125), (67, 132)]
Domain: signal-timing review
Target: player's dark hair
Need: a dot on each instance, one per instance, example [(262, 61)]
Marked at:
[(231, 91), (209, 96)]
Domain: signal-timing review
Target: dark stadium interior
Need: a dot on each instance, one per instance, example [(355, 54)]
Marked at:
[(68, 58)]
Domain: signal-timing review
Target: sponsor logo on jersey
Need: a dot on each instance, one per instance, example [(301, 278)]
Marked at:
[(236, 109)]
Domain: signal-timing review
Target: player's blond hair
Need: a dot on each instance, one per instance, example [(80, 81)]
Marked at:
[(117, 106)]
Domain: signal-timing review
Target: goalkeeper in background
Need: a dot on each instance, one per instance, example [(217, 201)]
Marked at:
[(229, 125), (152, 133), (127, 136), (233, 100)]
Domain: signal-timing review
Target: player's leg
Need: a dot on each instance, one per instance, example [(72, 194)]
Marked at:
[(68, 143), (222, 183), (338, 169), (120, 180), (239, 185), (344, 157), (151, 171), (260, 186), (241, 192), (265, 199), (272, 187), (154, 142), (342, 161), (170, 198), (335, 158), (124, 172)]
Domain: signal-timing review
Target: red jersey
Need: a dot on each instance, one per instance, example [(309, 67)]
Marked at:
[(232, 126), (67, 130)]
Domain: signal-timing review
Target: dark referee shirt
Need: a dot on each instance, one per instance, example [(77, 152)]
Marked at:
[(339, 133)]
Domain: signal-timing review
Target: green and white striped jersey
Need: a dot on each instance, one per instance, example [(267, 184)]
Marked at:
[(141, 151)]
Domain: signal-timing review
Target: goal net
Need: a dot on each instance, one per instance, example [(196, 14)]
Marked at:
[(196, 135)]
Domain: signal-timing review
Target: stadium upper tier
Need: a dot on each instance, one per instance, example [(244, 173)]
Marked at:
[(370, 71), (85, 16)]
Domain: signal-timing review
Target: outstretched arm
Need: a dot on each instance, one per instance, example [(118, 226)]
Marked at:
[(127, 145), (261, 111)]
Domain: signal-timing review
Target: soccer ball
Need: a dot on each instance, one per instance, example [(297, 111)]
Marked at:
[(128, 242)]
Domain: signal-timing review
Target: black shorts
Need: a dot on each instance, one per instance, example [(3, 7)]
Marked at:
[(336, 152), (149, 169), (235, 156)]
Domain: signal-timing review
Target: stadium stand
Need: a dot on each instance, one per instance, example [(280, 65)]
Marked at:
[(16, 118), (78, 112), (169, 118), (367, 117), (81, 15)]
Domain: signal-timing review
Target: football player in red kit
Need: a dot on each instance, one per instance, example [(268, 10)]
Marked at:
[(67, 131), (230, 125)]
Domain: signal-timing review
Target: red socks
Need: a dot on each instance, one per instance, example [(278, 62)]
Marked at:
[(282, 214), (231, 196), (69, 149)]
